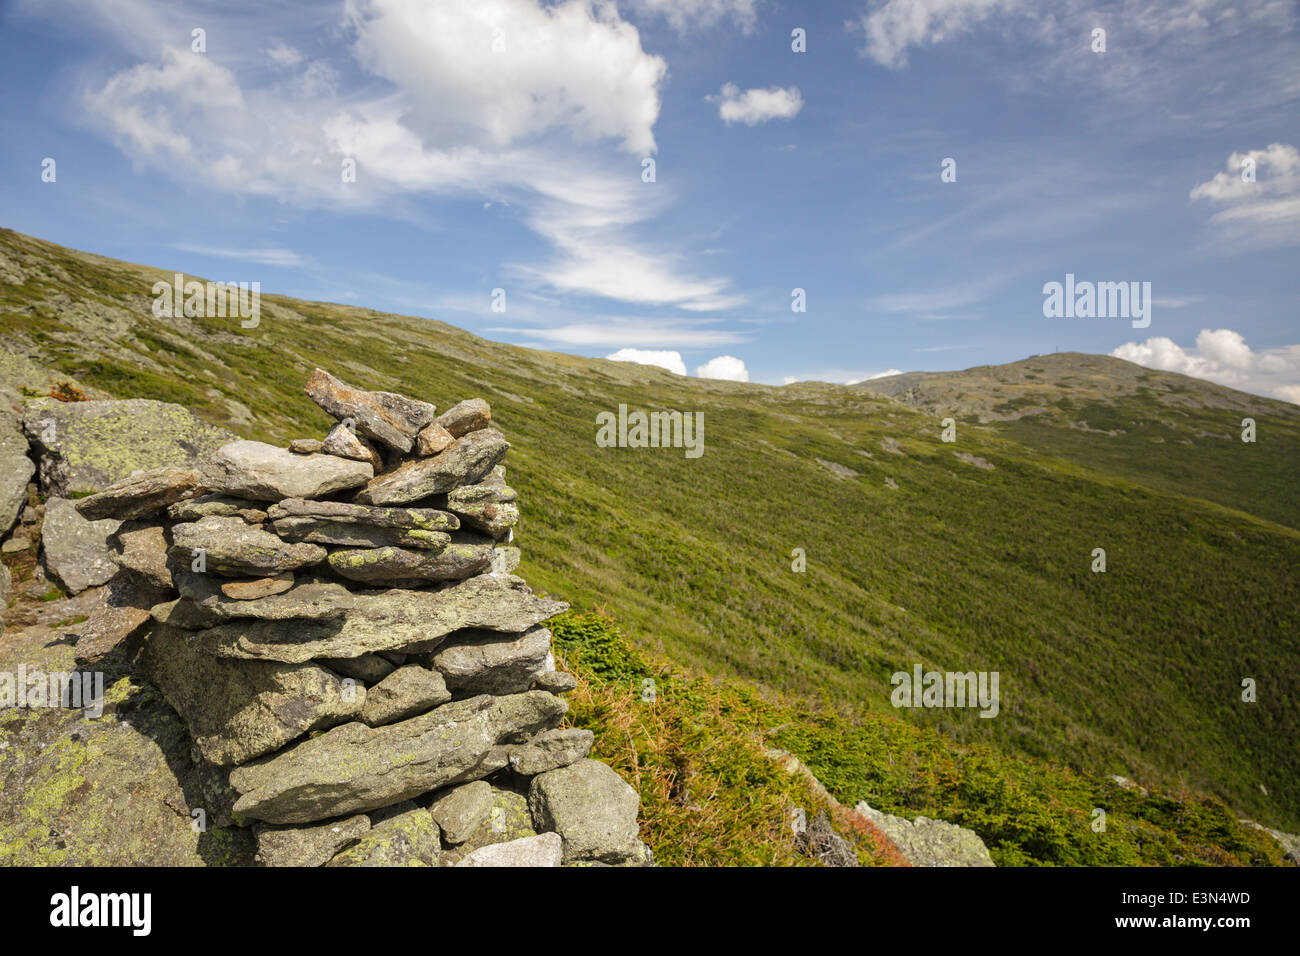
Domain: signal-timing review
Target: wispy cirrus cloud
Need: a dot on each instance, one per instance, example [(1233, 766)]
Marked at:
[(625, 332), (1257, 198), (265, 257), (931, 302)]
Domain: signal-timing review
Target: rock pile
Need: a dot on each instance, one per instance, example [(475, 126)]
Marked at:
[(338, 625)]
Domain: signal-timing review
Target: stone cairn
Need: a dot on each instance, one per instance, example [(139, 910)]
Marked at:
[(338, 626)]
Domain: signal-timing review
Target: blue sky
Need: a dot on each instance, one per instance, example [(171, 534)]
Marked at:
[(499, 144)]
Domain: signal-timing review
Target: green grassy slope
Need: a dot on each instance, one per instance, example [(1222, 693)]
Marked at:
[(1135, 671)]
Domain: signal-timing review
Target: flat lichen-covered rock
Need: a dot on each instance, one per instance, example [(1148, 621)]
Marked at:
[(83, 447), (140, 494), (450, 562), (355, 767), (413, 621), (307, 600), (116, 790), (238, 710), (232, 547), (253, 469)]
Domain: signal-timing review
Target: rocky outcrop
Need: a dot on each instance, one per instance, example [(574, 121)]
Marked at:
[(1290, 842), (926, 842), (361, 680), (920, 842)]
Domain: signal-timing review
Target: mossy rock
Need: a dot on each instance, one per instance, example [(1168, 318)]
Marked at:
[(83, 447), (117, 790)]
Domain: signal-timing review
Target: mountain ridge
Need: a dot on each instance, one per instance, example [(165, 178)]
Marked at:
[(915, 553)]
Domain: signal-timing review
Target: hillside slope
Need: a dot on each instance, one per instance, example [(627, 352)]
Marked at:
[(917, 551), (1165, 430)]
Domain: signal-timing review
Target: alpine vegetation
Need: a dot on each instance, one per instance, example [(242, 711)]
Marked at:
[(946, 689), (638, 429), (208, 300)]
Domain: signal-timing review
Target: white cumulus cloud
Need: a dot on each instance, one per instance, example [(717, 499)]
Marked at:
[(664, 359), (752, 107), (507, 100), (726, 367), (1222, 356), (512, 69)]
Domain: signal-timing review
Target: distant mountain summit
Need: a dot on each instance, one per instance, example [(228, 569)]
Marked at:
[(1044, 384)]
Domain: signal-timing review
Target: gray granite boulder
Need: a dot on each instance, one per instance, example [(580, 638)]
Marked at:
[(387, 417), (926, 842), (237, 710), (592, 808), (467, 461), (545, 849), (76, 551), (355, 767), (253, 469)]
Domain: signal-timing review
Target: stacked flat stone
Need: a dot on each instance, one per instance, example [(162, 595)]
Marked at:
[(338, 624)]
